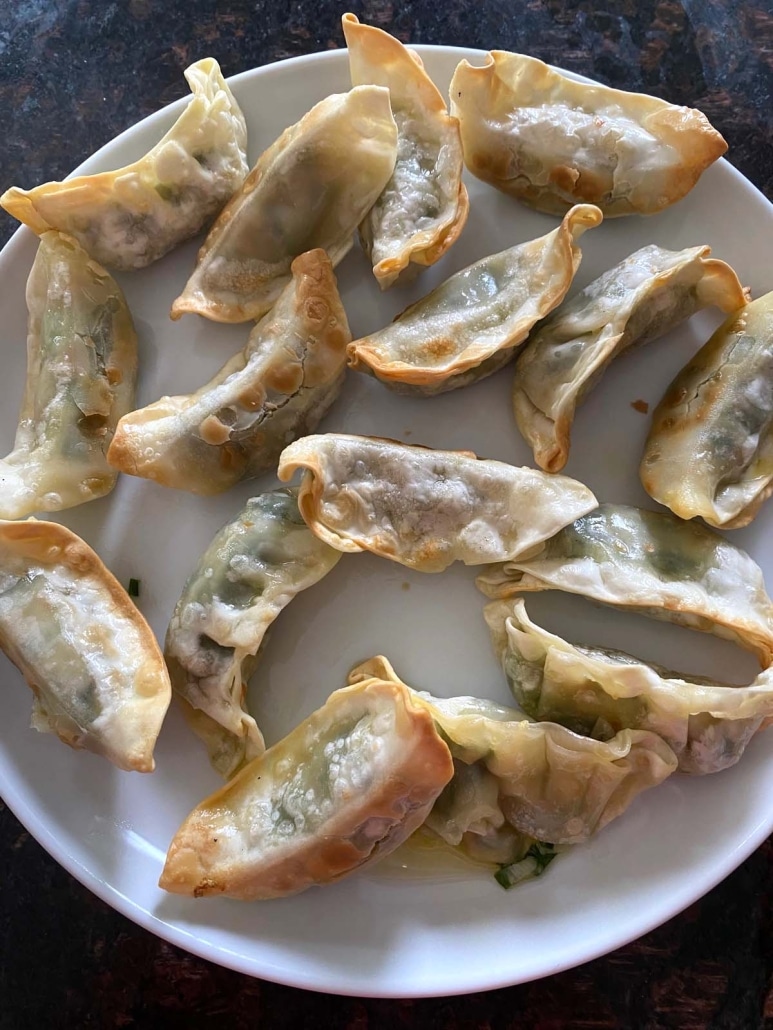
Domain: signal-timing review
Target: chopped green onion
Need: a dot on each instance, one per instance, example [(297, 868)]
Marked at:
[(134, 588), (533, 864)]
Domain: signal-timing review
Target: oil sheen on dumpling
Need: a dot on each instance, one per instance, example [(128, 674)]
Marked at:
[(553, 142), (92, 662), (311, 188), (424, 206), (652, 563), (425, 508), (536, 779), (81, 371), (130, 217), (638, 300), (253, 568), (276, 389), (710, 449), (598, 692), (343, 789), (470, 325)]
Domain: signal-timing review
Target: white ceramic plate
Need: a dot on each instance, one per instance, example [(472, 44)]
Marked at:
[(378, 933)]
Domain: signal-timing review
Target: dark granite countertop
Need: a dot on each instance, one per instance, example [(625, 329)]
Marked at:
[(76, 72)]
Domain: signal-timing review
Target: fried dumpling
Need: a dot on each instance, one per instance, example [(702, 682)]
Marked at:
[(278, 388), (537, 778), (81, 371), (130, 217), (92, 662), (424, 206), (638, 300), (310, 189), (470, 325), (710, 448), (552, 142), (343, 789), (425, 508), (253, 568), (652, 563), (598, 692)]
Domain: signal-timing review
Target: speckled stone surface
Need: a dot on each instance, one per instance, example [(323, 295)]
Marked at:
[(74, 73)]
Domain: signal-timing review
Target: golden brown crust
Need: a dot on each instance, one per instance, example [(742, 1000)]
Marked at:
[(507, 82), (80, 205), (366, 354), (367, 822), (297, 351), (246, 286), (376, 56), (384, 50), (51, 544)]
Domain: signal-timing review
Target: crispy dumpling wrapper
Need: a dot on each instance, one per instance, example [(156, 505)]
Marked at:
[(93, 664), (310, 189), (425, 508), (553, 142), (537, 778), (470, 325), (343, 789), (710, 448), (81, 372), (638, 300), (253, 568), (130, 217), (424, 205), (278, 388), (598, 692), (652, 563)]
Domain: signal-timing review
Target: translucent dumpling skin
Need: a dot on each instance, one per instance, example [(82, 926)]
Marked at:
[(426, 508), (254, 567), (470, 326), (709, 452), (81, 372), (343, 789), (643, 297), (553, 142), (515, 778), (130, 217), (652, 563), (278, 388), (309, 190), (424, 205), (93, 664), (598, 692)]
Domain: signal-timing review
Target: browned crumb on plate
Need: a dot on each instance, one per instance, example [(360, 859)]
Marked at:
[(406, 585), (641, 406)]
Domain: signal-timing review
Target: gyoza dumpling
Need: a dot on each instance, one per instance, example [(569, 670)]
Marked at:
[(311, 188), (710, 449), (81, 371), (635, 302), (253, 568), (426, 508), (343, 789), (130, 217), (92, 662), (548, 783), (276, 389), (652, 563), (598, 692), (553, 142), (424, 206), (470, 325)]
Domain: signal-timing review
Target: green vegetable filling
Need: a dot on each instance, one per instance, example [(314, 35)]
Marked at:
[(533, 864)]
